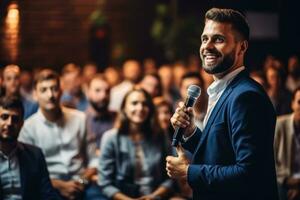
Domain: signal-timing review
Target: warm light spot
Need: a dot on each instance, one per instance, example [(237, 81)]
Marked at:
[(11, 32)]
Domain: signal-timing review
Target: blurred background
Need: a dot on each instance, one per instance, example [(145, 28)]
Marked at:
[(53, 32)]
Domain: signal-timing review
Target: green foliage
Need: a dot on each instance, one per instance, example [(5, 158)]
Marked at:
[(178, 38)]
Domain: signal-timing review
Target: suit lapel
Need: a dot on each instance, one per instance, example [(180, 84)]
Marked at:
[(219, 105), (22, 164), (213, 115)]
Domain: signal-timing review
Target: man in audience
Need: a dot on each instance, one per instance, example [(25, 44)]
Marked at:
[(287, 151), (11, 84), (99, 118), (169, 90), (152, 84), (23, 170), (132, 72), (61, 134), (293, 78), (194, 78), (73, 95)]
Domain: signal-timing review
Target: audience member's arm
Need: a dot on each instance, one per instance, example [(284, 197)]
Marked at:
[(46, 189), (121, 196), (160, 193), (68, 189)]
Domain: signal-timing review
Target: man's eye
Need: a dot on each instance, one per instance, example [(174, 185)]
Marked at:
[(204, 40), (4, 116), (43, 90), (219, 40)]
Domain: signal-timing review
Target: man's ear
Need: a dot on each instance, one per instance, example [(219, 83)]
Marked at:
[(244, 47), (34, 94)]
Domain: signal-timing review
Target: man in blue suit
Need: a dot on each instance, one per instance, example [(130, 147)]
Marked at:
[(233, 154), (23, 170)]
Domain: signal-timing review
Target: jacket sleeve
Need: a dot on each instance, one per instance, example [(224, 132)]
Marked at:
[(192, 143), (282, 150), (107, 165)]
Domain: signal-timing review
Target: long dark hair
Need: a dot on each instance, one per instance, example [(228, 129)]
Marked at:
[(150, 126)]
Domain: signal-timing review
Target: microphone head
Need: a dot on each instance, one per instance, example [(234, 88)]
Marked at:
[(194, 91)]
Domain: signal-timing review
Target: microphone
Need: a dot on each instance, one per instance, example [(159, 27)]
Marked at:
[(193, 93)]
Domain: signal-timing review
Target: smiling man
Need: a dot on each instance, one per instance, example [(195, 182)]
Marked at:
[(233, 155)]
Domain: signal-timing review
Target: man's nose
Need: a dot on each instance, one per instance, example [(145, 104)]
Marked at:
[(208, 44), (50, 93), (9, 121)]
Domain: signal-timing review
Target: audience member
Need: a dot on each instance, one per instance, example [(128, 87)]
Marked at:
[(169, 91), (149, 66), (11, 84), (152, 84), (293, 78), (179, 69), (113, 75), (287, 151), (194, 78), (279, 95), (88, 71), (73, 95), (132, 73), (259, 77), (132, 155), (23, 170), (99, 118), (26, 85), (61, 134)]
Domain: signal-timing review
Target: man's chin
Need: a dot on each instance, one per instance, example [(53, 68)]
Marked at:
[(7, 139)]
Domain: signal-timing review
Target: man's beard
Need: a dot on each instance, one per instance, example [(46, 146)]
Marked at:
[(100, 107), (225, 64), (8, 138)]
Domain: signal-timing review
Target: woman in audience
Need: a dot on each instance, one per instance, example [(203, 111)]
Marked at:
[(132, 160), (279, 95)]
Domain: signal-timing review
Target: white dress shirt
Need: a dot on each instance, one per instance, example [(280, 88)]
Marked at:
[(63, 143), (216, 89)]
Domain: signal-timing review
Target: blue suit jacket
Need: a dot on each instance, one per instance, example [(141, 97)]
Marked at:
[(35, 182), (233, 156)]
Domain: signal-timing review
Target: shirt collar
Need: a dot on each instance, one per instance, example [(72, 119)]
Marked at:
[(220, 84), (11, 154), (46, 121)]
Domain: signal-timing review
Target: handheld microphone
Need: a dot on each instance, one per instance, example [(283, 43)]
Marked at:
[(193, 93)]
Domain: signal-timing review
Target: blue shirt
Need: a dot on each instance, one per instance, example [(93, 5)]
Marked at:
[(10, 176)]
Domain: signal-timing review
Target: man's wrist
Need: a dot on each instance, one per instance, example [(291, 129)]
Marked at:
[(185, 137)]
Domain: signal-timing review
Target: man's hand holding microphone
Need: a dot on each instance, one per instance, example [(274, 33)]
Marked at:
[(183, 123)]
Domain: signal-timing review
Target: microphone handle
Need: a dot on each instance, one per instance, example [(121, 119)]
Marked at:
[(177, 136)]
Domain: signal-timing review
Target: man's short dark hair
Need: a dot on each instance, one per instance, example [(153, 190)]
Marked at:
[(44, 75), (12, 102), (233, 17), (192, 75)]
